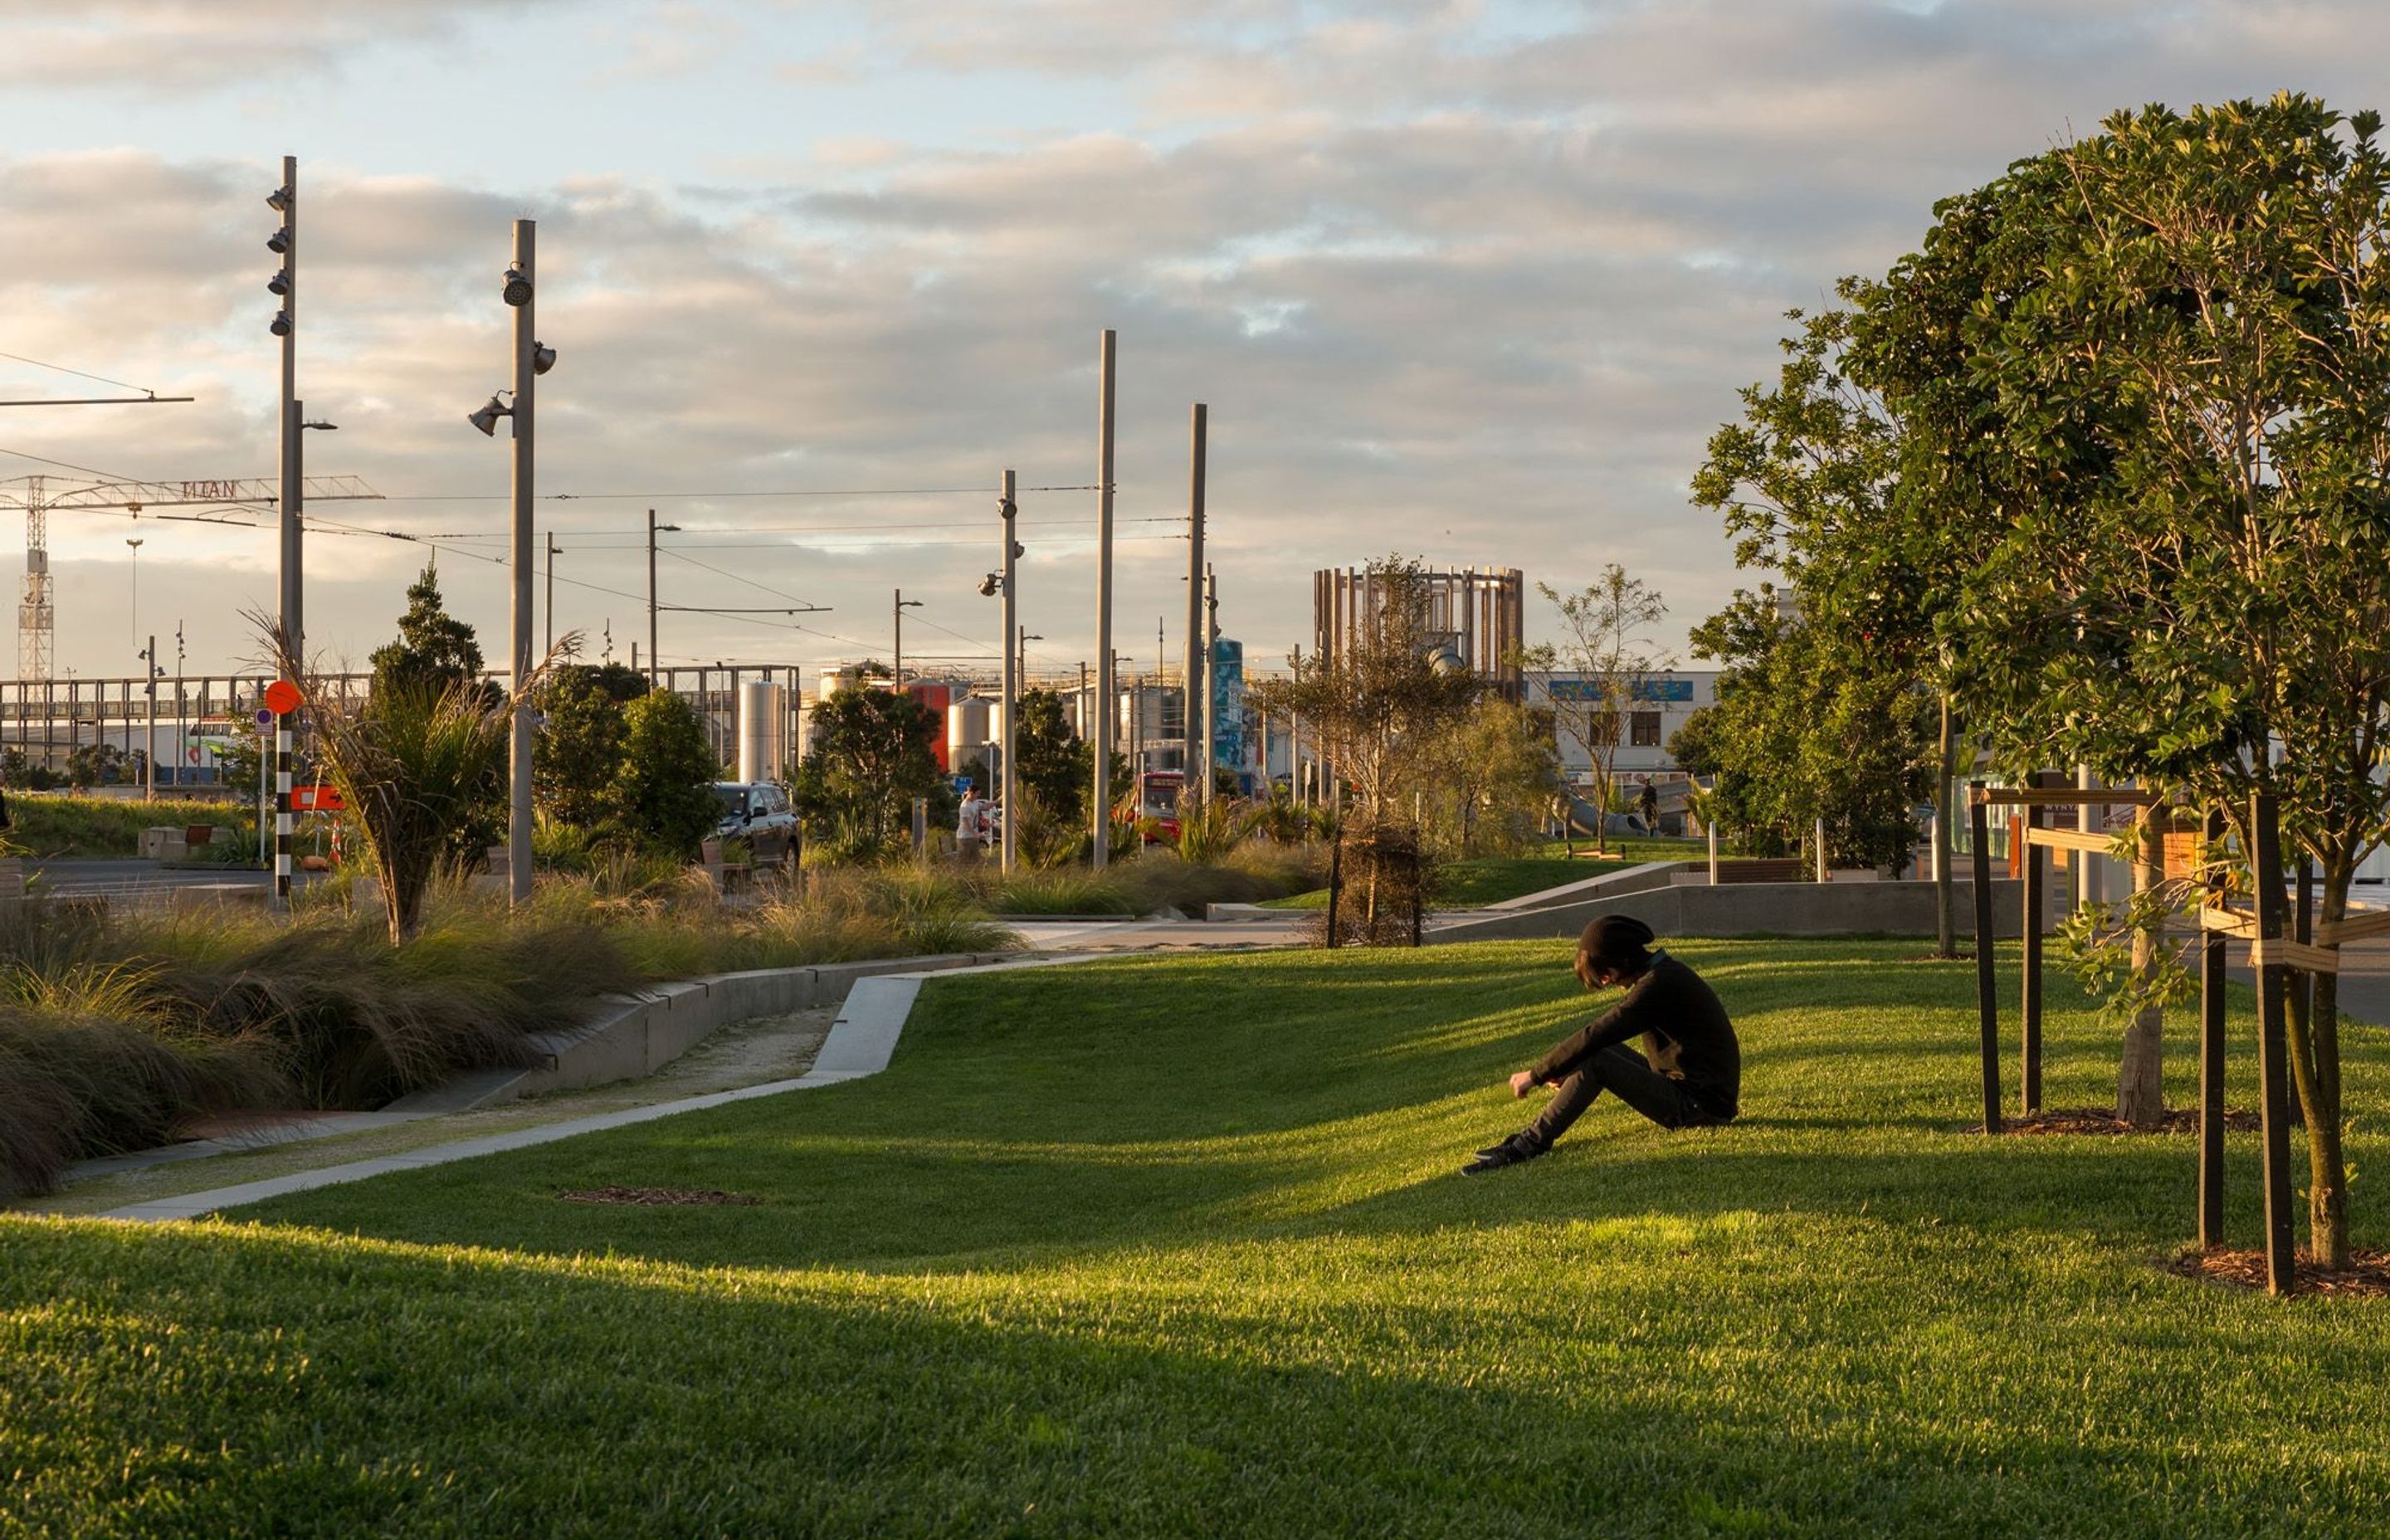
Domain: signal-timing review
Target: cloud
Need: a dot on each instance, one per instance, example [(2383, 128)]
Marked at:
[(1474, 280), (168, 47)]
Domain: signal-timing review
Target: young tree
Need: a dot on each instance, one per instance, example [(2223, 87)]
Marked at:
[(664, 792), (415, 766), (2212, 311), (1601, 644), (434, 649), (871, 757), (1055, 766), (1378, 707), (1494, 769), (581, 746)]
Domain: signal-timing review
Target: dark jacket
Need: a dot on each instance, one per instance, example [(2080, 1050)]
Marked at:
[(1685, 1031)]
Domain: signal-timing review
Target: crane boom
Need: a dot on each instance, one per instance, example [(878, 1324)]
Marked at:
[(37, 613)]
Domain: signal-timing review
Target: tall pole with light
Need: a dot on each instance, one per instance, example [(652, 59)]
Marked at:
[(1198, 651), (1102, 811), (284, 286), (903, 604), (1006, 510), (532, 359)]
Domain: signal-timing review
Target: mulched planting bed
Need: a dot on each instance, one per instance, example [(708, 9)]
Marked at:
[(2101, 1119), (2366, 1277), (658, 1195)]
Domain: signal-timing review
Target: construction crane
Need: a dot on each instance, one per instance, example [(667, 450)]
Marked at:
[(37, 613)]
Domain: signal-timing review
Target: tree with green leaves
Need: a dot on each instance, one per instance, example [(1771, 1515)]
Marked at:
[(870, 755), (662, 793), (1053, 764), (1821, 701), (1494, 772), (1603, 646), (581, 738), (434, 649), (2208, 324)]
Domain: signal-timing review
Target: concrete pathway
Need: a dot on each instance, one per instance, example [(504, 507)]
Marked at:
[(861, 1041)]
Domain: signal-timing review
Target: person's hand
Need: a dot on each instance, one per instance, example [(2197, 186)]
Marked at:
[(1523, 1083)]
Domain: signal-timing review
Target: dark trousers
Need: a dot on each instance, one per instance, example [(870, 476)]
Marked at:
[(1628, 1075)]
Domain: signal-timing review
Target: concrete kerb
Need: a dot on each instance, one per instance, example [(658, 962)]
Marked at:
[(861, 1042), (1634, 880)]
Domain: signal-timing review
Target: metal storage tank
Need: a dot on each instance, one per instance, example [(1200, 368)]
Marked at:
[(762, 731)]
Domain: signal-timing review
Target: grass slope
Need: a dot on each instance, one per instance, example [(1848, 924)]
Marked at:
[(1175, 1247)]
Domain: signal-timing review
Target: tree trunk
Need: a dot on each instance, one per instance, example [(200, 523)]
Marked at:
[(2315, 1069), (2140, 1085), (1945, 891)]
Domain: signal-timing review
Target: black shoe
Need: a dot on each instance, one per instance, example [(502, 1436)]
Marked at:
[(1509, 1153)]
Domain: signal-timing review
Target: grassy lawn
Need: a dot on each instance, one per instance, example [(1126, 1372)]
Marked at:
[(53, 825), (1489, 879), (1177, 1246)]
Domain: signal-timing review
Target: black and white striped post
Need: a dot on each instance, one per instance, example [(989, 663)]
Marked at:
[(282, 811), (282, 698)]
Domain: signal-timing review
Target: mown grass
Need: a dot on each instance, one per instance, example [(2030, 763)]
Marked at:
[(1177, 1246)]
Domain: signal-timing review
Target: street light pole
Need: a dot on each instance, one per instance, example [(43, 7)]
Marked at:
[(651, 599), (1008, 781), (903, 604), (149, 750), (1197, 651), (519, 763), (293, 489), (1211, 696), (551, 590), (1102, 811)]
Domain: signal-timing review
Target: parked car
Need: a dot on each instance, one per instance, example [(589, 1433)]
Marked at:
[(758, 812)]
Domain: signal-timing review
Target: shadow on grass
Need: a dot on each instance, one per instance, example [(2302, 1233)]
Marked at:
[(317, 1385)]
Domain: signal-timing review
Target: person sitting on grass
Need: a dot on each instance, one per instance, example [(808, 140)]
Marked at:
[(1690, 1069)]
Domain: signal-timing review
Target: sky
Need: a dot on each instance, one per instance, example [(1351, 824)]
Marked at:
[(1471, 282)]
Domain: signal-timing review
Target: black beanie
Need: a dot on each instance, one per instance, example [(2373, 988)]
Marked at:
[(1616, 942)]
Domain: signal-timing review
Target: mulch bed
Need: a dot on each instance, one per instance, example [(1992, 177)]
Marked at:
[(658, 1195), (2102, 1119), (2366, 1277)]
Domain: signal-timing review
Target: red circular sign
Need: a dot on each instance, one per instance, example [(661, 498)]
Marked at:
[(282, 698)]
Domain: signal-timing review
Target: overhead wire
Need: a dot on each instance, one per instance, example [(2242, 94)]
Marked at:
[(79, 374)]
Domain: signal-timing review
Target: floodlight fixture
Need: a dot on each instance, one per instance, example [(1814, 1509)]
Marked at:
[(280, 283), (990, 585), (486, 419), (278, 242), (543, 358), (279, 200), (516, 289), (280, 325)]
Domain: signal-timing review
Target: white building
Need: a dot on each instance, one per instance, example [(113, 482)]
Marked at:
[(1659, 705)]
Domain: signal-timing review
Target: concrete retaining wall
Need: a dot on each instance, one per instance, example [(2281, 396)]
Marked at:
[(628, 1037), (1758, 909)]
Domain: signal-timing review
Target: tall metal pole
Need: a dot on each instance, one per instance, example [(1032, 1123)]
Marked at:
[(1008, 785), (652, 654), (1198, 648), (1211, 697), (518, 789), (551, 590), (899, 664), (1102, 811), (149, 750), (293, 621)]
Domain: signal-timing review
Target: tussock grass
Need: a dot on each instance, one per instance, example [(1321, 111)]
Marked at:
[(48, 825)]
